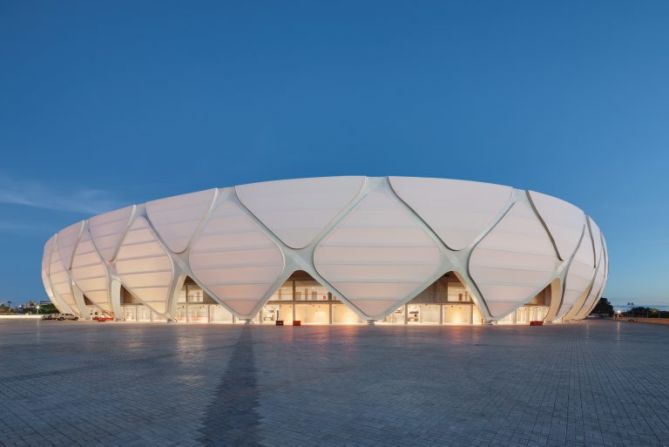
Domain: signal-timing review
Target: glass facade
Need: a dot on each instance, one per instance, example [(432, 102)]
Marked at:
[(313, 313), (458, 313), (195, 306), (303, 299), (342, 314), (271, 313), (396, 317), (446, 301), (220, 314), (139, 313)]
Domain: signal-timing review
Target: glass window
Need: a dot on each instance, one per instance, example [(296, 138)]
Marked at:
[(538, 313), (396, 317), (313, 313), (195, 294), (269, 314), (341, 314), (523, 315), (430, 313), (477, 317), (423, 313), (285, 313), (300, 313), (198, 313), (529, 313), (413, 313), (457, 313), (220, 314), (143, 313), (130, 313)]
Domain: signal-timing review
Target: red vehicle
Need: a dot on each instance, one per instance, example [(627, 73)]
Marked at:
[(102, 318)]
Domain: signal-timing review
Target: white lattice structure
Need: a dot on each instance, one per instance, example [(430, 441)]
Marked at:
[(374, 242)]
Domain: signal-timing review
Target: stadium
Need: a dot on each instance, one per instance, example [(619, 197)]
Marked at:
[(334, 250)]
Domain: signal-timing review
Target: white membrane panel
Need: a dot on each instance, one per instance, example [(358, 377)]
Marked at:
[(176, 218), (579, 277), (90, 273), (46, 263), (458, 211), (67, 240), (596, 238), (564, 222), (593, 294), (514, 261), (603, 270), (297, 211), (46, 258), (144, 266), (235, 260), (601, 290), (61, 283), (378, 256), (108, 229)]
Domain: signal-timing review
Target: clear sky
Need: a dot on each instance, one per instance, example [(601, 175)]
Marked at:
[(104, 104)]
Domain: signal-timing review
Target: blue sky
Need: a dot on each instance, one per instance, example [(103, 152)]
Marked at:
[(104, 104)]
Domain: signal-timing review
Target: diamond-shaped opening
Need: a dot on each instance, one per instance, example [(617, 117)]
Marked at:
[(302, 298), (195, 305), (445, 301)]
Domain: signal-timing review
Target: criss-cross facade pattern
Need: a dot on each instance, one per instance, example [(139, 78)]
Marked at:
[(393, 250)]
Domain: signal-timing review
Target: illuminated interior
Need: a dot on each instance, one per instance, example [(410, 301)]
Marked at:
[(301, 298)]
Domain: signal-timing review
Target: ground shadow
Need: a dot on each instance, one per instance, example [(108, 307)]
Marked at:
[(231, 418)]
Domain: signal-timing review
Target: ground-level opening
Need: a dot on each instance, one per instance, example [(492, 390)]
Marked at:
[(194, 305), (302, 298), (445, 301)]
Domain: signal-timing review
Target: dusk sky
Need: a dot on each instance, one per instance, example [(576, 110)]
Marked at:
[(105, 104)]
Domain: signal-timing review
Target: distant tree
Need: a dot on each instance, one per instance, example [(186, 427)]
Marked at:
[(603, 307), (48, 309), (645, 312), (5, 309)]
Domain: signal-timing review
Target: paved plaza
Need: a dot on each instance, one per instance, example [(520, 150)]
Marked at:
[(77, 383)]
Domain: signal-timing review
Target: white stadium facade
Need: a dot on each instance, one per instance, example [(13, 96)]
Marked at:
[(334, 250)]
